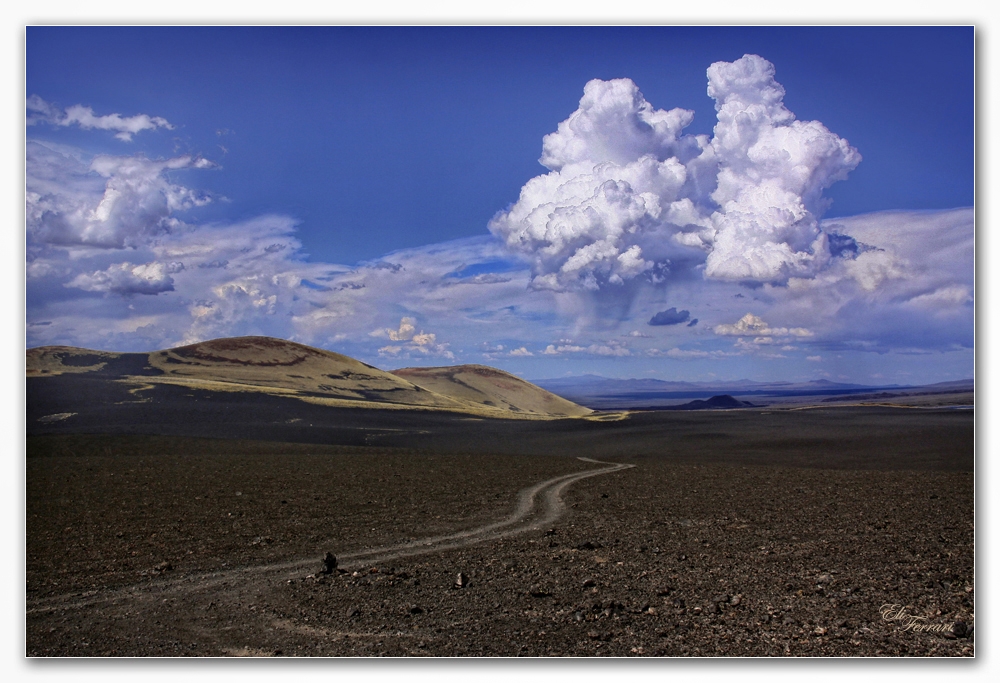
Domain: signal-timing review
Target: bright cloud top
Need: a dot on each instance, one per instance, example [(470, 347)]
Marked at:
[(629, 196)]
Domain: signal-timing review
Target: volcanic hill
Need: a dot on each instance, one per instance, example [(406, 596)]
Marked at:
[(277, 367), (485, 386)]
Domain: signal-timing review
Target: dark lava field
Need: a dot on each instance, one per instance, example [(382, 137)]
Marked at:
[(196, 525)]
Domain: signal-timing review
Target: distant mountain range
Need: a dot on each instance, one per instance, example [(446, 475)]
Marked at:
[(602, 393)]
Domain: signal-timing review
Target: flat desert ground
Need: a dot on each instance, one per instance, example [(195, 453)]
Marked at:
[(730, 533)]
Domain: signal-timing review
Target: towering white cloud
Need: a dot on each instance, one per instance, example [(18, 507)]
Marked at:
[(620, 173), (629, 197), (772, 173)]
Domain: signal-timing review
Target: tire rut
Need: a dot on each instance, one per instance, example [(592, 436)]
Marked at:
[(524, 518)]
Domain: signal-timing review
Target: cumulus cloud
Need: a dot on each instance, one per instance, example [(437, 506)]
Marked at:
[(671, 316), (772, 173), (751, 325), (111, 202), (612, 348), (128, 279), (555, 350), (421, 343), (40, 111), (629, 198), (617, 166), (404, 333)]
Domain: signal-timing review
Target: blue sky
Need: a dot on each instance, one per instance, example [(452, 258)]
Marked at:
[(378, 192)]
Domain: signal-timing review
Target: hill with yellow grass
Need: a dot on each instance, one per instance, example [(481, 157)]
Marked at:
[(278, 367)]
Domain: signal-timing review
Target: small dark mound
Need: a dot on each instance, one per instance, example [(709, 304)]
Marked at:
[(716, 402)]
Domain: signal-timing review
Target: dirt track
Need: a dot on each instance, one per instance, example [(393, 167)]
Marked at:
[(527, 516), (158, 540)]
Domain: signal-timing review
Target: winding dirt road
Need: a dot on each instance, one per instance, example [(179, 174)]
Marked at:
[(527, 515)]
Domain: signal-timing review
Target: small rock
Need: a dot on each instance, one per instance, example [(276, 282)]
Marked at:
[(461, 581), (353, 612), (819, 631), (736, 599), (329, 564), (589, 545), (824, 578), (589, 583), (415, 609), (959, 629), (538, 592)]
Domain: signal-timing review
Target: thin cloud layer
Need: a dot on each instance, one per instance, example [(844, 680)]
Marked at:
[(40, 111)]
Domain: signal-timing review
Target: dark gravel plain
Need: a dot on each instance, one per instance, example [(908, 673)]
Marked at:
[(173, 527), (663, 559)]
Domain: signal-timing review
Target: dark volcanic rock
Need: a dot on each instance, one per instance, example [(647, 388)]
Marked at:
[(329, 564), (715, 403), (747, 524)]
